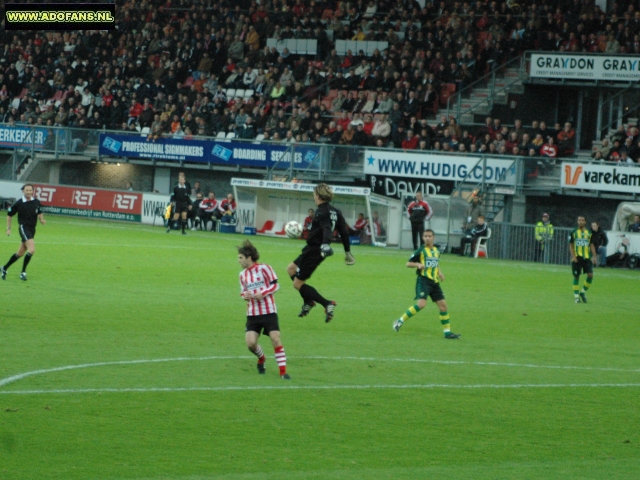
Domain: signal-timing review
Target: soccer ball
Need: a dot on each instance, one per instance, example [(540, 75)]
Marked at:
[(293, 229)]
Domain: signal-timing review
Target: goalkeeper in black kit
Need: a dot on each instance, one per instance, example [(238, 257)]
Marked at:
[(326, 220)]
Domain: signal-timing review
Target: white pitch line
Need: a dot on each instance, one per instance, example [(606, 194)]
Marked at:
[(15, 378), (21, 376), (320, 387)]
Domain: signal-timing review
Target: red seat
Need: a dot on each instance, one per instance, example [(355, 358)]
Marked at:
[(268, 225), (188, 82), (23, 93)]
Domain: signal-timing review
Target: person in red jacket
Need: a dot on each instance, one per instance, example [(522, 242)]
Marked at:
[(208, 211), (411, 142), (418, 211), (134, 111), (228, 209)]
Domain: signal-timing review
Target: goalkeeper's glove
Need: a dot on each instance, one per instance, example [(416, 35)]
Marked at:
[(325, 250), (349, 259)]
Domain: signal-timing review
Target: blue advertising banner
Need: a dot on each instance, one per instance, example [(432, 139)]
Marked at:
[(11, 137), (206, 151)]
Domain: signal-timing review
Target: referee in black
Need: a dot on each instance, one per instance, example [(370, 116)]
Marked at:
[(29, 210), (181, 199)]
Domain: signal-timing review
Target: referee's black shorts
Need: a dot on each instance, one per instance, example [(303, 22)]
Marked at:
[(181, 207), (308, 261), (263, 323), (26, 233)]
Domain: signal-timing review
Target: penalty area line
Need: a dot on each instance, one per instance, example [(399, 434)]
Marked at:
[(318, 387)]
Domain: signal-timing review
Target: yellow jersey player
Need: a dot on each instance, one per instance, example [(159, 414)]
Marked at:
[(426, 262), (582, 251)]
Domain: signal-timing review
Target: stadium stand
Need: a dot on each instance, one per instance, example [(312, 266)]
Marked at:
[(289, 65)]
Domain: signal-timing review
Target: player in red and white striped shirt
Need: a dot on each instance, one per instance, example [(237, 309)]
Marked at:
[(258, 283)]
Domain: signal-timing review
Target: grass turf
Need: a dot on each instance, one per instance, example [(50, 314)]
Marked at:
[(162, 385)]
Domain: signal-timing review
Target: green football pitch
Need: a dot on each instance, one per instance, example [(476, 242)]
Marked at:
[(123, 356)]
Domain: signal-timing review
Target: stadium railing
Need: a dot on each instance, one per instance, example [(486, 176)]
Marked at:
[(511, 241), (367, 46), (296, 46)]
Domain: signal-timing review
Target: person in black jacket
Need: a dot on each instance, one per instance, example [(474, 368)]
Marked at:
[(326, 220), (181, 199), (29, 210), (480, 230), (600, 241)]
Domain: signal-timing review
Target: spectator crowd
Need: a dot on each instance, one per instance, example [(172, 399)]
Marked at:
[(176, 68)]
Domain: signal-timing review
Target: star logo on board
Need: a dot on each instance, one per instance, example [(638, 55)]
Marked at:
[(370, 159)]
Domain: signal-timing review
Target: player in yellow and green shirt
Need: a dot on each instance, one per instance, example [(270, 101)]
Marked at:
[(426, 262), (582, 251)]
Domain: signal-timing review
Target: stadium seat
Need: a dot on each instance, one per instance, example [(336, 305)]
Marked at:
[(230, 135), (240, 93), (278, 228), (249, 93), (259, 137), (23, 93), (332, 94), (231, 93), (15, 103), (268, 225), (221, 135), (188, 82), (481, 245), (145, 131)]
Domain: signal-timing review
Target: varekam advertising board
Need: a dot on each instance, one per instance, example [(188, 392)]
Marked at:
[(585, 67), (420, 166), (206, 151), (603, 177)]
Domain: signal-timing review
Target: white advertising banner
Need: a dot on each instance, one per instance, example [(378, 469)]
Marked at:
[(623, 243), (623, 68), (301, 187), (437, 167), (604, 177), (151, 203)]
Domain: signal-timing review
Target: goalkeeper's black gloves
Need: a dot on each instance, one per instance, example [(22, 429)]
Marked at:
[(326, 250)]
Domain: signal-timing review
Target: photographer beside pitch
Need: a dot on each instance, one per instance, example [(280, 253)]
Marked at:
[(29, 210)]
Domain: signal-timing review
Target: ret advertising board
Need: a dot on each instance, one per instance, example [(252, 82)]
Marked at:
[(623, 68), (206, 151), (616, 177), (90, 202), (417, 166)]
